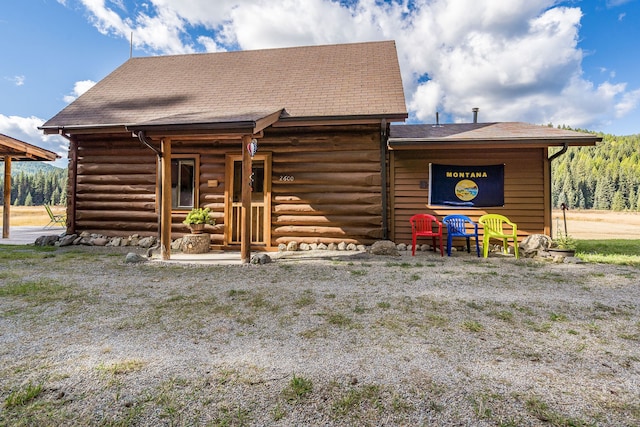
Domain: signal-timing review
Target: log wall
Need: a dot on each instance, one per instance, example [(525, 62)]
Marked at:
[(325, 184), (524, 187), (115, 186)]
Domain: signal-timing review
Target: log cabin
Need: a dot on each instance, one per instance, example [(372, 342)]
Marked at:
[(290, 144)]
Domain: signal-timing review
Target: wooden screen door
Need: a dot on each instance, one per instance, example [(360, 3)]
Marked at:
[(260, 199)]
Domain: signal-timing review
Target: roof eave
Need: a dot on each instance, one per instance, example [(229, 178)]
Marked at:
[(83, 129), (432, 143)]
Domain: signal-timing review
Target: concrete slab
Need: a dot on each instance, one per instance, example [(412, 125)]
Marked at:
[(27, 235)]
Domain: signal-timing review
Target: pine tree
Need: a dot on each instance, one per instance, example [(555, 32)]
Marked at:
[(618, 204)]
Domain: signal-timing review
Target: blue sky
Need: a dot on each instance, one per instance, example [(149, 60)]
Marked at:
[(539, 61)]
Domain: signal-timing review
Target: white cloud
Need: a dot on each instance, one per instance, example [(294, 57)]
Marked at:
[(18, 80), (26, 129), (78, 89), (615, 3), (629, 102), (516, 60)]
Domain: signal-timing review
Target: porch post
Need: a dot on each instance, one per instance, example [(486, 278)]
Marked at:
[(245, 218), (7, 197), (165, 206)]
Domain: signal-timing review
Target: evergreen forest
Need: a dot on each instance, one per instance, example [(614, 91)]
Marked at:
[(35, 184), (605, 177)]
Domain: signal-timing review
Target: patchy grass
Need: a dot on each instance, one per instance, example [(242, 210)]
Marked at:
[(297, 389), (24, 395), (614, 251)]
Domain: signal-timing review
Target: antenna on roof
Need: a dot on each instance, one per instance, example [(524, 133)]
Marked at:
[(131, 46)]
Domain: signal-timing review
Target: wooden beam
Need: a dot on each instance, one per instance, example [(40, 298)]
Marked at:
[(245, 230), (72, 184), (165, 208), (7, 197)]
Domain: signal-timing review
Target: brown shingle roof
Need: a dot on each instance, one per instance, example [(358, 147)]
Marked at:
[(360, 79), (470, 133)]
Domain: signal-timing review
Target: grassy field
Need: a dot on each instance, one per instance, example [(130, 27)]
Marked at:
[(30, 215)]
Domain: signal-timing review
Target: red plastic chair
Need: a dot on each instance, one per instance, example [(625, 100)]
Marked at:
[(425, 225)]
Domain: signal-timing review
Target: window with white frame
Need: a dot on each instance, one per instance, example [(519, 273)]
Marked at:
[(183, 183)]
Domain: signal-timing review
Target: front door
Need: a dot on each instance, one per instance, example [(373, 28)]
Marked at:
[(260, 199)]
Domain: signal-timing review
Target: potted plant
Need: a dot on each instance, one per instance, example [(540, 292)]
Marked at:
[(198, 218), (564, 245)]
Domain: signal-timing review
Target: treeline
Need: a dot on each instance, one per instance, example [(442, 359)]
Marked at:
[(606, 176), (37, 187)]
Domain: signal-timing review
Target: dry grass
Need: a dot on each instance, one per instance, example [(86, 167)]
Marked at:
[(30, 215)]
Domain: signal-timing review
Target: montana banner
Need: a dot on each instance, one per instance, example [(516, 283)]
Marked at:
[(466, 186)]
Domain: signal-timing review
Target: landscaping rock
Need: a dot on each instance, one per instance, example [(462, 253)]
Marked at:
[(260, 259), (46, 240), (384, 247), (533, 245), (133, 258), (67, 240), (176, 244), (100, 241), (147, 242)]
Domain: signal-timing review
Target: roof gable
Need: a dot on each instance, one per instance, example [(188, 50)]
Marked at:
[(334, 81)]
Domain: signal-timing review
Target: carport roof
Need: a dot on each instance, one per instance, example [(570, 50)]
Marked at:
[(19, 150)]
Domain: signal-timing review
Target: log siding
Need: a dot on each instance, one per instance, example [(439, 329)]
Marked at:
[(524, 187)]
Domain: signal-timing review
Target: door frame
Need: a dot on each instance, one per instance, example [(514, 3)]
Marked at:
[(229, 222)]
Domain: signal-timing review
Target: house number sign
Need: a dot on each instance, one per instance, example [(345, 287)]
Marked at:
[(287, 178)]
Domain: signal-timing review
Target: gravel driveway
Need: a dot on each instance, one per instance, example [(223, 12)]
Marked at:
[(86, 339)]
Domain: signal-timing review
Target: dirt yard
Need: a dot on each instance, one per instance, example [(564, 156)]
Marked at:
[(87, 340)]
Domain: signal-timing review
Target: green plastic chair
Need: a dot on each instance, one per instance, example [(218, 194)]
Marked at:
[(493, 225), (55, 218)]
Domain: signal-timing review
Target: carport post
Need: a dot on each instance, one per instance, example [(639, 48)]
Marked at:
[(7, 197)]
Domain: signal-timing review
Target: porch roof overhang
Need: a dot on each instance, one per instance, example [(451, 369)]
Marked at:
[(199, 124), (485, 135), (22, 151)]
